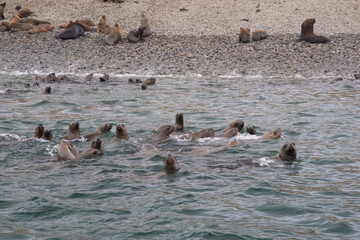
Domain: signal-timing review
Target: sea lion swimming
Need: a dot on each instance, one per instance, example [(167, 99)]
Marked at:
[(239, 124), (104, 128), (287, 153), (47, 135), (273, 134), (39, 130), (47, 90), (164, 132), (73, 132), (121, 132), (307, 32), (205, 133), (232, 132), (170, 164), (179, 122), (71, 33), (67, 151), (94, 150), (147, 147), (251, 130)]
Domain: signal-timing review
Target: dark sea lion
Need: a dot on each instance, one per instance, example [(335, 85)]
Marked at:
[(150, 81), (287, 153), (145, 24), (357, 75), (121, 132), (251, 130), (4, 26), (179, 122), (47, 90), (71, 33), (104, 78), (73, 131), (2, 7), (135, 36), (259, 35), (39, 130), (82, 23), (94, 150), (27, 85), (67, 151), (164, 132), (170, 165), (36, 84), (235, 124), (244, 35), (104, 128), (47, 135), (232, 132), (143, 87), (273, 134), (114, 36), (307, 33)]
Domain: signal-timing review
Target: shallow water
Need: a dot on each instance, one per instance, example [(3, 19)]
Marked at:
[(120, 196)]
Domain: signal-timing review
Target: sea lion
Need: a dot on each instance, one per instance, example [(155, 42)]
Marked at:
[(102, 26), (143, 87), (145, 24), (170, 164), (2, 7), (135, 36), (39, 130), (47, 90), (73, 131), (251, 130), (104, 78), (89, 77), (244, 35), (164, 132), (40, 28), (239, 124), (121, 132), (230, 133), (85, 23), (47, 135), (357, 75), (205, 133), (179, 122), (307, 32), (71, 33), (273, 134), (67, 151), (20, 26), (114, 36), (287, 152), (24, 12), (137, 80), (259, 35), (147, 147), (32, 21), (104, 128), (4, 26), (94, 150), (147, 82)]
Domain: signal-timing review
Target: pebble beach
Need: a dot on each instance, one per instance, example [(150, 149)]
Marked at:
[(190, 38)]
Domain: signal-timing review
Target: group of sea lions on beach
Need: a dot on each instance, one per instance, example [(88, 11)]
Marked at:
[(67, 150)]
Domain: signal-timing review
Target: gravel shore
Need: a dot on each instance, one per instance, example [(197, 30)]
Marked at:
[(201, 39)]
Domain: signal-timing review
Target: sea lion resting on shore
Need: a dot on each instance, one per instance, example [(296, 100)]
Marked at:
[(259, 35), (24, 12), (102, 26), (121, 132), (244, 35), (73, 131), (147, 29), (2, 7), (4, 26), (33, 21), (114, 36), (14, 26), (71, 33), (41, 28), (104, 128), (86, 23), (307, 32), (135, 36)]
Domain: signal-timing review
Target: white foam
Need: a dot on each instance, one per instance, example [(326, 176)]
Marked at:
[(10, 136), (52, 150), (264, 161)]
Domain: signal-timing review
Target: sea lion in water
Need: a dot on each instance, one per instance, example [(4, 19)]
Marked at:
[(145, 24), (273, 134), (2, 7), (39, 130), (244, 35), (251, 130), (121, 132), (170, 165), (71, 33), (94, 150), (230, 133), (47, 90), (235, 124), (164, 132), (67, 151), (205, 133), (287, 152), (135, 36), (104, 128), (114, 36), (179, 122), (307, 32), (47, 135), (73, 131)]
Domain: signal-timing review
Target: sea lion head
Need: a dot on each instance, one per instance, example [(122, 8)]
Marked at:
[(273, 134), (47, 90), (96, 144), (171, 165), (105, 127), (74, 127), (47, 135), (121, 131), (308, 26), (231, 133), (235, 124), (251, 130), (164, 132), (288, 152), (39, 130), (179, 122)]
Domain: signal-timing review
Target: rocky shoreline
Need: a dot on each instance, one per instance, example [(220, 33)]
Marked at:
[(277, 56)]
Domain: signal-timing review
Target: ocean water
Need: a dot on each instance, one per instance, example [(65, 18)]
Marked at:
[(124, 195)]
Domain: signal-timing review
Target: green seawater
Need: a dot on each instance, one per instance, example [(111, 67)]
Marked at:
[(120, 194)]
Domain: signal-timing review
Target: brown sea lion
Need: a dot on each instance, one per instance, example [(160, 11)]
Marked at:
[(273, 134), (24, 12), (39, 130), (137, 80), (104, 128), (85, 23), (94, 150), (307, 32), (73, 32), (143, 87), (145, 24), (251, 130), (47, 90), (164, 132), (104, 78), (121, 132), (2, 7), (259, 35), (20, 26), (170, 165), (179, 122), (287, 152), (4, 26), (357, 75), (32, 21), (67, 151), (135, 36), (205, 133), (207, 151), (115, 35), (102, 26), (47, 135), (73, 131), (89, 77), (235, 124), (41, 28), (232, 132), (244, 35), (147, 82)]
